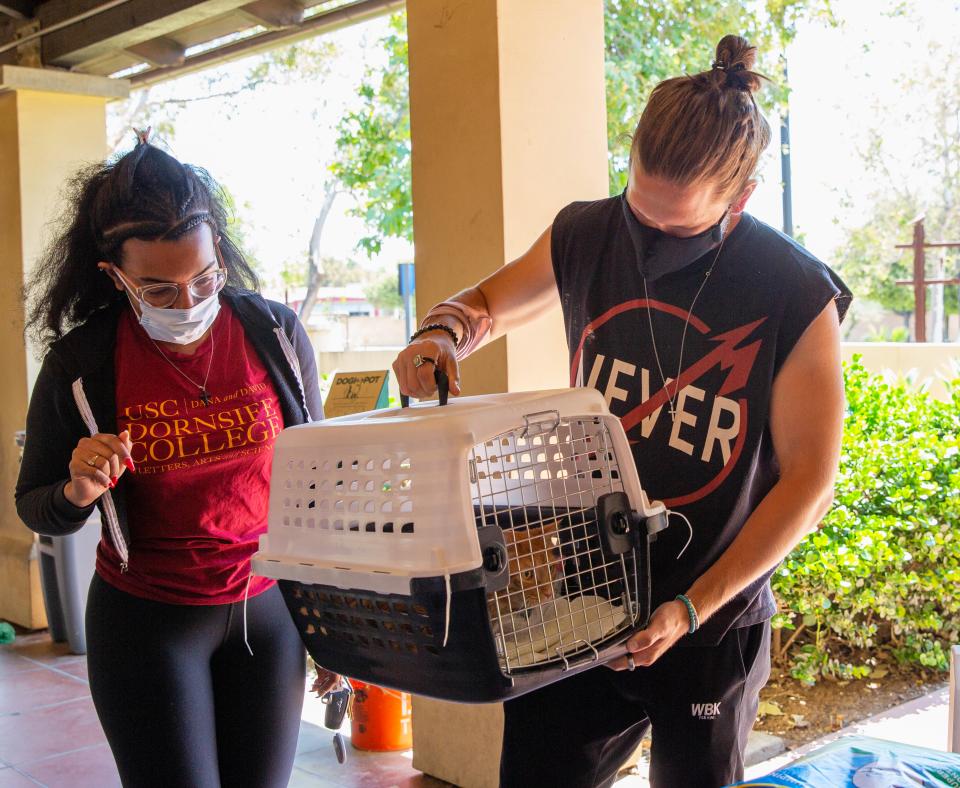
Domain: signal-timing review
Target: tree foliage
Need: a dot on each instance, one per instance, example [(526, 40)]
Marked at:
[(383, 291), (922, 180), (373, 163), (646, 41), (335, 272)]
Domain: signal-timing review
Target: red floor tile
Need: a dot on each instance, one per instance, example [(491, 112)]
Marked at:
[(40, 648), (11, 663), (77, 669), (33, 688), (10, 778), (90, 768), (50, 734), (51, 730)]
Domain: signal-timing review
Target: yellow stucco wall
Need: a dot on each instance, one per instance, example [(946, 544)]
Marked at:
[(44, 137), (507, 112), (508, 119), (928, 364)]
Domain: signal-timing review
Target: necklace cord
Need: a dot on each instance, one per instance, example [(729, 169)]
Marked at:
[(203, 388), (672, 401)]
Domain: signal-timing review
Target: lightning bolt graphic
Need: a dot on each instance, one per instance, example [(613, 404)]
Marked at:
[(628, 306), (738, 360)]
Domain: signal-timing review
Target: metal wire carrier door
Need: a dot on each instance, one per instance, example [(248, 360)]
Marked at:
[(557, 589)]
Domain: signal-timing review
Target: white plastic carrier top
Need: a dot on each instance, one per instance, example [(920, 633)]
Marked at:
[(375, 499)]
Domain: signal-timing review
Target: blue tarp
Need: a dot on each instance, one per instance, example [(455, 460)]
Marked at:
[(862, 762)]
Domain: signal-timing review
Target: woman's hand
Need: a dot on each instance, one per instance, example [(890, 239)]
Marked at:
[(417, 381), (95, 466), (668, 624)]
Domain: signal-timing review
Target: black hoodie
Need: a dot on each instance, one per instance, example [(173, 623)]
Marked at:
[(74, 397)]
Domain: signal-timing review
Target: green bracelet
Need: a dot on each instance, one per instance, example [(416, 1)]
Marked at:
[(691, 611)]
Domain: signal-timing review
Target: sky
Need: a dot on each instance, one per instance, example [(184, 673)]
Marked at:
[(272, 146)]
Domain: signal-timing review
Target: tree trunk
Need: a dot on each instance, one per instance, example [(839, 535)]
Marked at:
[(313, 257)]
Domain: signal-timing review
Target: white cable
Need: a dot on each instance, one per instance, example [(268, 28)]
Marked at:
[(690, 527), (446, 623), (246, 596)]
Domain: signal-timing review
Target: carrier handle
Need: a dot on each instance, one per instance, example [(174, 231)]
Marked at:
[(568, 664), (443, 388)]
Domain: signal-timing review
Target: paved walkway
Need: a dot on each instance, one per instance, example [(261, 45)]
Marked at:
[(50, 735)]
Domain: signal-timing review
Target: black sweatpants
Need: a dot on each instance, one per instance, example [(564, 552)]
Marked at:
[(700, 701), (181, 700)]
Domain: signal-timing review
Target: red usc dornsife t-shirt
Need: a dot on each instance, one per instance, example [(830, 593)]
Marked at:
[(198, 501)]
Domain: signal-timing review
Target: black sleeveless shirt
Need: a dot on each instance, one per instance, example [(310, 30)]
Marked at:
[(715, 462)]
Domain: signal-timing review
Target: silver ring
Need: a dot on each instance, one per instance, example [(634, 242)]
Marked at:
[(631, 665), (419, 361)]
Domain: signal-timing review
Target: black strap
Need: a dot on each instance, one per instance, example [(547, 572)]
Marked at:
[(443, 388)]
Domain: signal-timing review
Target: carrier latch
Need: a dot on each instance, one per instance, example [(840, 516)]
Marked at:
[(621, 529), (493, 549)]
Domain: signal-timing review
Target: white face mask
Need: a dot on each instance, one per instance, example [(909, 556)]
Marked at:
[(179, 326)]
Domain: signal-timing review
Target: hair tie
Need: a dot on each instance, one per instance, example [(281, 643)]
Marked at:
[(719, 65), (143, 135)]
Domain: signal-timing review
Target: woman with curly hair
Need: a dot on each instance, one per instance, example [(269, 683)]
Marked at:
[(165, 381)]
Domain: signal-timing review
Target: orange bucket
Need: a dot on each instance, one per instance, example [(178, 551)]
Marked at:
[(381, 719)]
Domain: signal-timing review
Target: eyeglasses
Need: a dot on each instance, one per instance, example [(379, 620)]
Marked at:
[(165, 294)]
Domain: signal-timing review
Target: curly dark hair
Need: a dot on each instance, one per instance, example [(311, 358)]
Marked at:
[(145, 194)]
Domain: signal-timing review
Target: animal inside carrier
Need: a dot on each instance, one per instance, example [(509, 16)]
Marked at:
[(471, 552)]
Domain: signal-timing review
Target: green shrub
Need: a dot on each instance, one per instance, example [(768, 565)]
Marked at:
[(883, 572)]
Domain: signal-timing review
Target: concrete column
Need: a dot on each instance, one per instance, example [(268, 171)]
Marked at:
[(51, 122), (508, 121)]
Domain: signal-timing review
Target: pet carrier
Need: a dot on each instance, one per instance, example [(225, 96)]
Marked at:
[(470, 552)]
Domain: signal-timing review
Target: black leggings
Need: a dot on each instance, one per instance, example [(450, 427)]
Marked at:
[(181, 700)]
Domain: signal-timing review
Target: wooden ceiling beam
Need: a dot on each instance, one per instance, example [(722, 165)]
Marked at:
[(274, 14), (160, 51), (123, 27), (20, 10), (324, 22)]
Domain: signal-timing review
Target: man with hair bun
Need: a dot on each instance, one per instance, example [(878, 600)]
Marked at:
[(716, 340)]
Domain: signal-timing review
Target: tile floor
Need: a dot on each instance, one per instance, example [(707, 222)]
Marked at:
[(50, 735)]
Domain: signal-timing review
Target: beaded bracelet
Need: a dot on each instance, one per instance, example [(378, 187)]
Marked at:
[(436, 327), (691, 611)]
